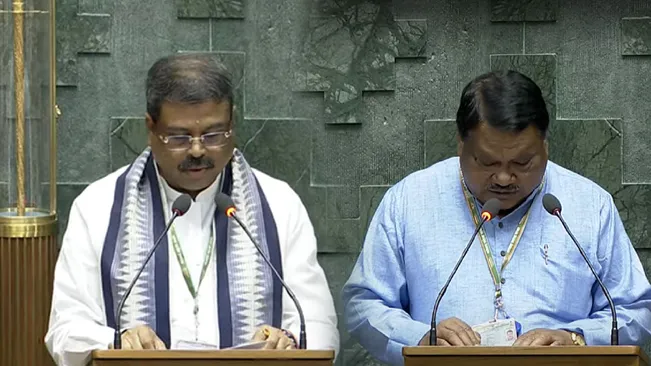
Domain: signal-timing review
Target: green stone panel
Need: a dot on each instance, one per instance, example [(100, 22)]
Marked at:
[(381, 151), (128, 140), (7, 151), (460, 40), (269, 35), (278, 147), (343, 202), (524, 10), (228, 35), (633, 202), (593, 79), (35, 150), (351, 50), (314, 199), (636, 36), (141, 32), (204, 9), (440, 140), (370, 198), (97, 31), (4, 195), (6, 63), (95, 6), (281, 148), (342, 236), (645, 259), (78, 33), (588, 44), (539, 68), (82, 136), (66, 194), (593, 149), (355, 354), (337, 268), (411, 38)]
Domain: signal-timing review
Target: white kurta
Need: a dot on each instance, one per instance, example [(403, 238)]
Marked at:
[(78, 320)]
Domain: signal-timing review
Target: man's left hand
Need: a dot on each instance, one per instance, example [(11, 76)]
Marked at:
[(275, 338), (544, 337)]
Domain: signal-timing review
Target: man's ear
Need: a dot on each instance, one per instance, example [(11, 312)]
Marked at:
[(149, 122)]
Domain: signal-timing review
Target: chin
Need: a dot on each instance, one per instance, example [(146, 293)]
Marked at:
[(512, 203), (506, 202), (196, 187)]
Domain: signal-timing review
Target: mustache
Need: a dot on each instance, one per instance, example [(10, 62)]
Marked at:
[(507, 189), (191, 162)]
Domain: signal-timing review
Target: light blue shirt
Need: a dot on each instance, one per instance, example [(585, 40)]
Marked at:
[(420, 229)]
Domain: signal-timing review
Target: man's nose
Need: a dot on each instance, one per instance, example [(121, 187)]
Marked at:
[(504, 178), (197, 149)]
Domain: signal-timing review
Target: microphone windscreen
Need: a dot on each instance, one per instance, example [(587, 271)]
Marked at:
[(492, 207), (551, 203), (224, 203), (182, 204)]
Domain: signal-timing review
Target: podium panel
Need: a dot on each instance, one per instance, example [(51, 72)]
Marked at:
[(213, 358), (528, 356)]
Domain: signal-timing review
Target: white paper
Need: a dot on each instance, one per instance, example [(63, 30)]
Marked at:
[(250, 345), (194, 346)]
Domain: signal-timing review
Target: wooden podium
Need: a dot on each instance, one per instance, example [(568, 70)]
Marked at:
[(213, 358), (529, 356)]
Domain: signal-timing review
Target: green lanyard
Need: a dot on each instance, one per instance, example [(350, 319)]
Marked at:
[(515, 240), (184, 266)]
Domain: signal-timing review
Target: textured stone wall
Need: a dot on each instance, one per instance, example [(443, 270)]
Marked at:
[(344, 98)]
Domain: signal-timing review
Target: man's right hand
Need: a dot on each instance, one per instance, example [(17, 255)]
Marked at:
[(141, 337), (453, 332)]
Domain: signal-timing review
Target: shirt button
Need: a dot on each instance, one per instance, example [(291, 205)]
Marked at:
[(503, 281), (500, 225), (503, 253)]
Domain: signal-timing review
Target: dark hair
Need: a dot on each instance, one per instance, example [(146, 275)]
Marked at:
[(187, 78), (506, 100)]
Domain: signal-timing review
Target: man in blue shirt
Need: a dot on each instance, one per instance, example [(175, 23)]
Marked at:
[(522, 265)]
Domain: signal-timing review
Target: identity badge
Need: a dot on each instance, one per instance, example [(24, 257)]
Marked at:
[(502, 332)]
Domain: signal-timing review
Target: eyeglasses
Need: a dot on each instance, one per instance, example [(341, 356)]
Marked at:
[(210, 140)]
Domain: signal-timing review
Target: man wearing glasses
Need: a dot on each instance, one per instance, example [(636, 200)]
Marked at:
[(206, 284)]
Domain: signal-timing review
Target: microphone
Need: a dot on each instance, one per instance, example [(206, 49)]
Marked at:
[(553, 207), (225, 204), (180, 206), (490, 209)]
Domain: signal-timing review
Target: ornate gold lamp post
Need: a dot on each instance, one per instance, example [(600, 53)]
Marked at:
[(27, 178)]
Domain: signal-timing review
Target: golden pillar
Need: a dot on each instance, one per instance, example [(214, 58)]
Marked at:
[(28, 220)]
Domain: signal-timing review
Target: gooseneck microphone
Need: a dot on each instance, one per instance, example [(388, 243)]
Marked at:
[(553, 206), (490, 209), (225, 204), (180, 206)]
